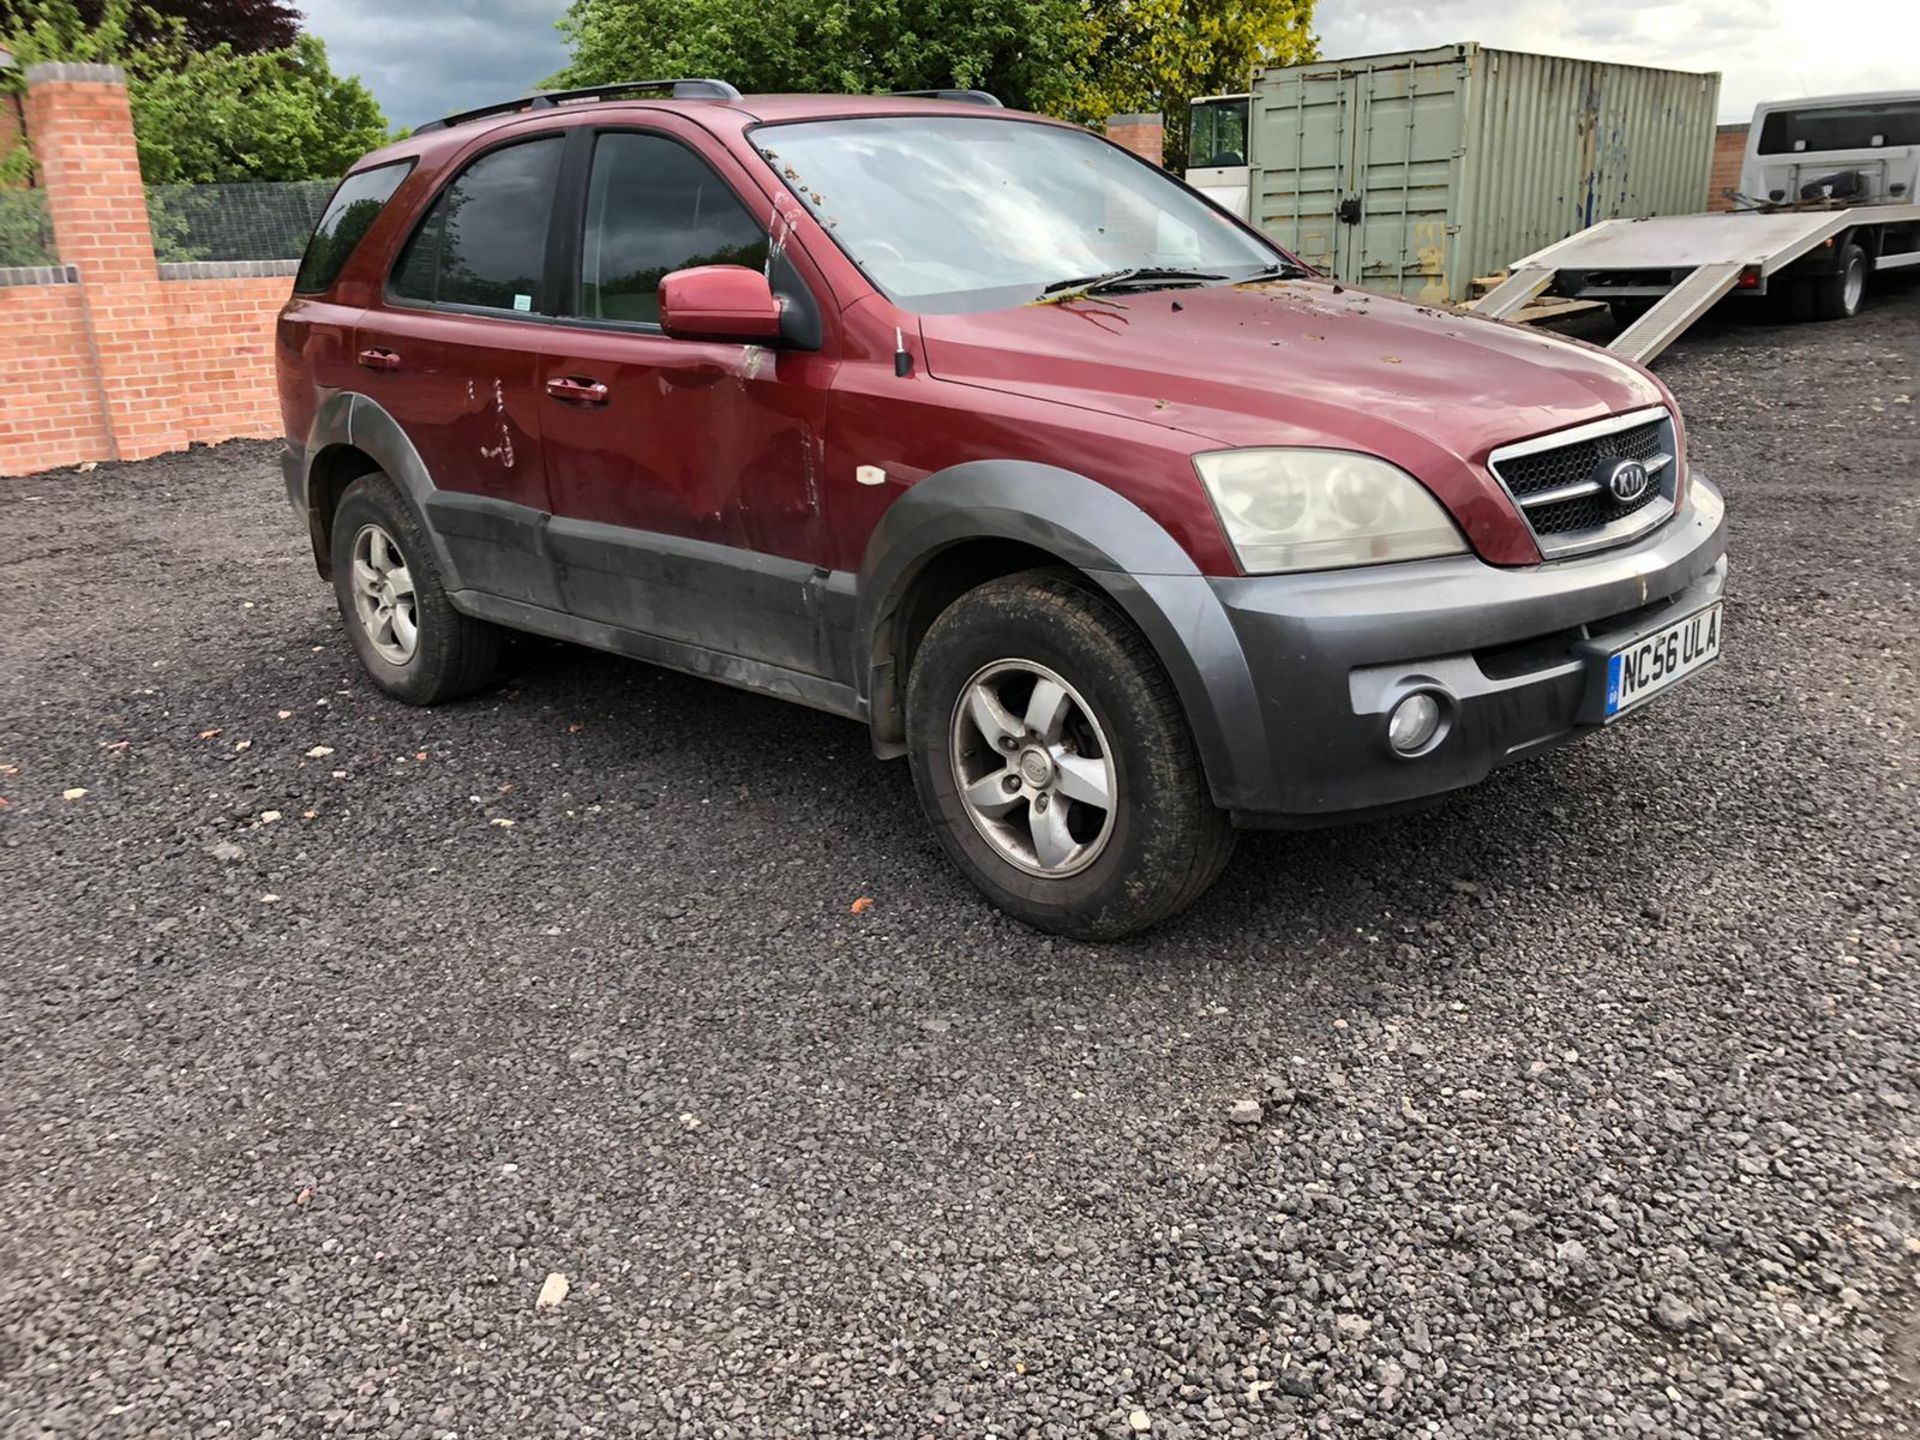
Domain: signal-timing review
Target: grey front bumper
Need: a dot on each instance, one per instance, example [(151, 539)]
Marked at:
[(1514, 650)]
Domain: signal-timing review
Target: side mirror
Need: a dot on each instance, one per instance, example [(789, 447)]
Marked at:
[(719, 302)]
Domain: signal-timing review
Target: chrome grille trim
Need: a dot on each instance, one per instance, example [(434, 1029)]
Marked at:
[(1561, 544), (1583, 487)]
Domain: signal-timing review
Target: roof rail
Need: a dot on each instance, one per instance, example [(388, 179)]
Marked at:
[(964, 97), (689, 89), (683, 89), (505, 107)]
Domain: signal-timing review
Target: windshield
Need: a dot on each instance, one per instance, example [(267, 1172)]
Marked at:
[(953, 213)]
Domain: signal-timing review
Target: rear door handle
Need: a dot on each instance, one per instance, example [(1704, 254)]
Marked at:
[(577, 391), (378, 359)]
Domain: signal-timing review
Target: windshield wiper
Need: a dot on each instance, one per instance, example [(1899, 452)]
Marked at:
[(1281, 270), (1134, 277)]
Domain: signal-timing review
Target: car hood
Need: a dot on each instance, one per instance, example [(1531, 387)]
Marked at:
[(1304, 362)]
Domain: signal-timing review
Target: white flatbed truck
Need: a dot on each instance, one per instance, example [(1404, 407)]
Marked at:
[(1828, 190)]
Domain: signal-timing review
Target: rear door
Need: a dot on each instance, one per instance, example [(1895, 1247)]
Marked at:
[(452, 353), (685, 473)]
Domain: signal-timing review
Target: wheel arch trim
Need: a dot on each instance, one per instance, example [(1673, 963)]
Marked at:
[(1120, 549), (357, 421)]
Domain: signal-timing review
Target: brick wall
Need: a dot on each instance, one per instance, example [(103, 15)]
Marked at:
[(222, 344), (1144, 135), (111, 355), (1729, 149), (44, 360)]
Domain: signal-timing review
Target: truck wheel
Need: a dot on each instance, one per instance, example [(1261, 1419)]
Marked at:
[(1051, 754), (1625, 312), (1838, 296), (413, 643)]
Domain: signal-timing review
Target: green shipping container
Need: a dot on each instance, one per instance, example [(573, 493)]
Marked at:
[(1415, 173)]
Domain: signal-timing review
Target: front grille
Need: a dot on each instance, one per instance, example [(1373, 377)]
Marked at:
[(1567, 524)]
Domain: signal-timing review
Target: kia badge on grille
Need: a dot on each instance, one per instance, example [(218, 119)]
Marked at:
[(1625, 480)]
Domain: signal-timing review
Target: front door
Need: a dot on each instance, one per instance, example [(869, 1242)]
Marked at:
[(452, 354), (685, 474)]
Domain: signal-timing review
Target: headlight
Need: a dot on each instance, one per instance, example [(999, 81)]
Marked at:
[(1322, 509)]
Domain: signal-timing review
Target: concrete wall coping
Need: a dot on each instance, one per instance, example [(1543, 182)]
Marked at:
[(39, 275), (1151, 117), (227, 269), (48, 72)]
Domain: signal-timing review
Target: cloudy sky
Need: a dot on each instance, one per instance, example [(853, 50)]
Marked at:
[(433, 56)]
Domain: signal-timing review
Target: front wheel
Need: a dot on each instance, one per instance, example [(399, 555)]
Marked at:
[(1052, 756)]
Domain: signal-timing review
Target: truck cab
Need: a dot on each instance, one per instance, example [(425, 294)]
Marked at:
[(1217, 138), (1851, 149)]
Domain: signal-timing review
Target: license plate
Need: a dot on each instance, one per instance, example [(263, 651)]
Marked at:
[(1650, 664)]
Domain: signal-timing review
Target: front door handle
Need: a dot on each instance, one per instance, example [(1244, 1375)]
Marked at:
[(375, 358), (577, 391)]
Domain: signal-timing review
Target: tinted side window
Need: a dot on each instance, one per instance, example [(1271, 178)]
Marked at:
[(654, 207), (484, 242), (348, 216)]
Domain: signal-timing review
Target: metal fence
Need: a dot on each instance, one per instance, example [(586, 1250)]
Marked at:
[(247, 221), (26, 234)]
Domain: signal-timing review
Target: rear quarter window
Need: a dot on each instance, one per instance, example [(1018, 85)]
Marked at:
[(348, 216)]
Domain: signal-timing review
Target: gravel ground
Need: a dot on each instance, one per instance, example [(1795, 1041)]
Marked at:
[(331, 1028)]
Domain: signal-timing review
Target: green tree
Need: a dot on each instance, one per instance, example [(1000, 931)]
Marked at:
[(1082, 59), (276, 115), (1159, 54), (1028, 52), (206, 116)]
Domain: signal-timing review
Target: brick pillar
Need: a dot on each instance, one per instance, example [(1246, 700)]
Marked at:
[(81, 130), (1142, 134)]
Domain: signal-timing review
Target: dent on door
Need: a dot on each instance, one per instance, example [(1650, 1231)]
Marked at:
[(688, 502)]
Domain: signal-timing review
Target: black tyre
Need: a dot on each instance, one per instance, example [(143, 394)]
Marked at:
[(1051, 754), (1839, 296), (413, 643), (1625, 312)]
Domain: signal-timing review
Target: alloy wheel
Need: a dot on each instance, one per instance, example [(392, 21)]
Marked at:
[(1033, 768), (383, 597)]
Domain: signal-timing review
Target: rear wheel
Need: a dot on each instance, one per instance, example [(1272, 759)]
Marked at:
[(1838, 296), (1053, 759), (409, 638)]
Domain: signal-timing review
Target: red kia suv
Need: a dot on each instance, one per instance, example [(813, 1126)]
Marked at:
[(1124, 527)]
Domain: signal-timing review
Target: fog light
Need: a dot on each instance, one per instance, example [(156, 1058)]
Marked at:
[(1413, 723)]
